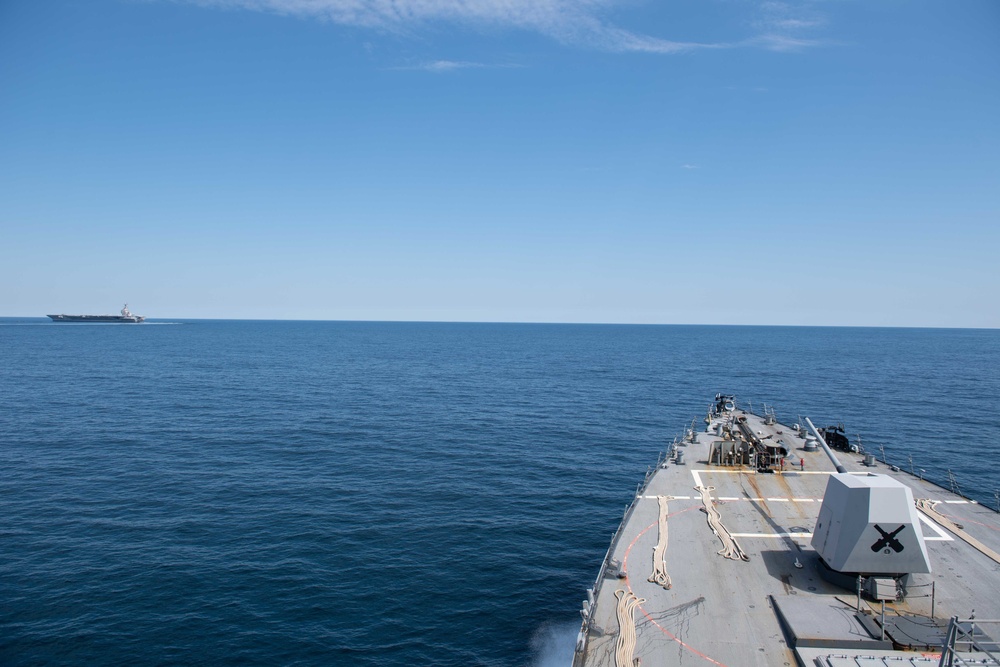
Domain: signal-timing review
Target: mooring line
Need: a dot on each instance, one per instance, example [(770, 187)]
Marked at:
[(730, 547), (659, 575), (627, 602)]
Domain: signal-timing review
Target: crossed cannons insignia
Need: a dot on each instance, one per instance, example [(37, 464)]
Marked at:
[(888, 540)]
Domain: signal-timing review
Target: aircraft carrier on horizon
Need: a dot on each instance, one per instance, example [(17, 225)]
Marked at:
[(752, 542), (126, 317)]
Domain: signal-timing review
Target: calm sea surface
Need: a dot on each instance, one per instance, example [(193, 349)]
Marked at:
[(325, 493)]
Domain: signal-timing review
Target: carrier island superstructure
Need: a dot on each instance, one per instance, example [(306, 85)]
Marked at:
[(753, 542)]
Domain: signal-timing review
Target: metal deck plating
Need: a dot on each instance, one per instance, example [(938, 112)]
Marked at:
[(775, 608)]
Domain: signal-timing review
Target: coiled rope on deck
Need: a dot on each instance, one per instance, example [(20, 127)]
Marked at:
[(730, 547), (625, 648), (659, 575)]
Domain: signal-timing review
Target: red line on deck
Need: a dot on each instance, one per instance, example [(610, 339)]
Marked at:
[(646, 613)]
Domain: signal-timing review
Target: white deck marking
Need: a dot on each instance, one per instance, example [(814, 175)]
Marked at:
[(941, 535), (732, 471), (772, 534), (735, 498), (957, 502)]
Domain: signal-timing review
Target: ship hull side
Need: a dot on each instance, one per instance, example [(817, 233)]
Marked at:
[(116, 319)]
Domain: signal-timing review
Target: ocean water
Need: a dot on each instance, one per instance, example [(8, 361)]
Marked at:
[(325, 493)]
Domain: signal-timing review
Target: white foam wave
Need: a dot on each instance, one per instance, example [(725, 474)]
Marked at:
[(553, 643)]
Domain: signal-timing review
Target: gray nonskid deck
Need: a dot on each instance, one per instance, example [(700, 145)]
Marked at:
[(721, 611)]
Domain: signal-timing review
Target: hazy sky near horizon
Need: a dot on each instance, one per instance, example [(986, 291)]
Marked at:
[(829, 162)]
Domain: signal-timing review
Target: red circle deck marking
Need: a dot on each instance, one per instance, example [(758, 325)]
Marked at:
[(646, 613)]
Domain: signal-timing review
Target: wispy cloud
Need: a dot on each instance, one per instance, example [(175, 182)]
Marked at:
[(780, 26), (568, 21), (449, 66), (796, 24), (779, 42), (443, 66), (690, 166)]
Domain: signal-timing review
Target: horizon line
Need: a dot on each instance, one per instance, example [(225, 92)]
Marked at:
[(44, 318)]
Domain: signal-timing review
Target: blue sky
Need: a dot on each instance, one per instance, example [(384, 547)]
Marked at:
[(695, 161)]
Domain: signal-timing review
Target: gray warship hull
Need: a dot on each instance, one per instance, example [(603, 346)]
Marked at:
[(135, 319), (714, 564)]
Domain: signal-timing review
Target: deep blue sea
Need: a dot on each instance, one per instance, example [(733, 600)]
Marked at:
[(327, 493)]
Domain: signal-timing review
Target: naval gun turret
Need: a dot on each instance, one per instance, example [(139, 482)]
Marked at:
[(868, 532)]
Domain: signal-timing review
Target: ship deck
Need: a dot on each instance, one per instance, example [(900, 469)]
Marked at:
[(775, 608)]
